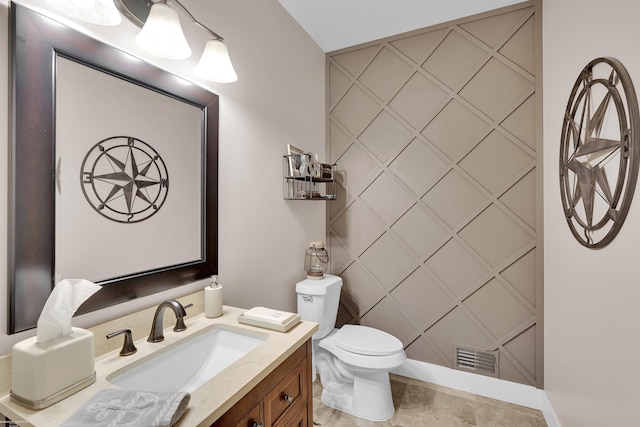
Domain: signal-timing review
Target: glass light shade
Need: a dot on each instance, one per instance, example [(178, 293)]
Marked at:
[(100, 12), (162, 34), (215, 64)]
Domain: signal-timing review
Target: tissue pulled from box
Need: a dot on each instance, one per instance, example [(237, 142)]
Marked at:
[(55, 320)]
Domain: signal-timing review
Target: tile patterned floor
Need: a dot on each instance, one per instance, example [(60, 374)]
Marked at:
[(427, 405)]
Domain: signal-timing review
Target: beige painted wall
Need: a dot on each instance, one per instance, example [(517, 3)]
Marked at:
[(278, 99), (591, 296)]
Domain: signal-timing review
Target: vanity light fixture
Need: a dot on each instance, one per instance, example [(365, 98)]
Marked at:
[(161, 33), (215, 64), (100, 12)]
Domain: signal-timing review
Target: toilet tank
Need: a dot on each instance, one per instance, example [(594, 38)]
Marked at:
[(318, 302)]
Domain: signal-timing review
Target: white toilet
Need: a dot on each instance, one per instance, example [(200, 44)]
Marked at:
[(353, 361)]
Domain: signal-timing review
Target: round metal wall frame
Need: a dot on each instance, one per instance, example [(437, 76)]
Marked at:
[(599, 152)]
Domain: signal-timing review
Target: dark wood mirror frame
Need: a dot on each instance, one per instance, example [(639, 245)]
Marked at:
[(35, 43)]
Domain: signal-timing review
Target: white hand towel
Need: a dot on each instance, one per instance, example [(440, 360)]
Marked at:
[(114, 407), (269, 315)]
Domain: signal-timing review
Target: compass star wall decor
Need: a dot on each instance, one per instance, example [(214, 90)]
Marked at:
[(599, 152), (124, 179)]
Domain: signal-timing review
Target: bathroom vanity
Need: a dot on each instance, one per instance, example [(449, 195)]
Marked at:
[(283, 398), (268, 386)]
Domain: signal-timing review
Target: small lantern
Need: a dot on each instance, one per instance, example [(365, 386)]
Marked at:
[(316, 259)]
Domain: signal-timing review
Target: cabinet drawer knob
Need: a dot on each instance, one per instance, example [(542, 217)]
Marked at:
[(287, 398), (257, 424)]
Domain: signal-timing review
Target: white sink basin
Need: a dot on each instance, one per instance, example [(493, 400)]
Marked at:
[(188, 363)]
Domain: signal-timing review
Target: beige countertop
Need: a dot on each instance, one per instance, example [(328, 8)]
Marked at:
[(209, 401)]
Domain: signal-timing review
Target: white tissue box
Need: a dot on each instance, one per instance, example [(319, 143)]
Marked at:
[(46, 373)]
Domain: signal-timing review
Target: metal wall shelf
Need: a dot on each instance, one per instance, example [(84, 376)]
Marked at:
[(304, 180)]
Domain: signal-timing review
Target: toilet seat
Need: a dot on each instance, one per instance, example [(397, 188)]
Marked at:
[(381, 362), (366, 341)]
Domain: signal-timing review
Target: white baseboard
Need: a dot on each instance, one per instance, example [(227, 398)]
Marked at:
[(494, 388), (549, 414)]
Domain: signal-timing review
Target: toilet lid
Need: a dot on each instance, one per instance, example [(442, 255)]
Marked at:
[(365, 340)]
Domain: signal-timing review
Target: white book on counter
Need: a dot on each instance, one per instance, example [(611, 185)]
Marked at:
[(269, 318), (269, 315)]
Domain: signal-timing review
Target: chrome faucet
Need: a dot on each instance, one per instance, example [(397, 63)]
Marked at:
[(156, 334)]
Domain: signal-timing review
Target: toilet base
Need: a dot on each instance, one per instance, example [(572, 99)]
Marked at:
[(367, 395)]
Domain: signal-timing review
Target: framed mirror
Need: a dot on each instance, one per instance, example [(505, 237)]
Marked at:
[(113, 171)]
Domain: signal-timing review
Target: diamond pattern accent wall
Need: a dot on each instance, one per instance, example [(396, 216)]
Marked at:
[(434, 230)]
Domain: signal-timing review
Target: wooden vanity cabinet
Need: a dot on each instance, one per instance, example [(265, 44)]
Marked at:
[(283, 399)]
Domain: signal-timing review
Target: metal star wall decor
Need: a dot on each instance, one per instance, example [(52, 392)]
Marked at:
[(599, 152), (124, 179)]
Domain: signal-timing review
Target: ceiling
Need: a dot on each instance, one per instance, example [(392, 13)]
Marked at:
[(336, 24)]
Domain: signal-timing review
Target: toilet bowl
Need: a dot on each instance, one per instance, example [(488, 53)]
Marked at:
[(353, 361)]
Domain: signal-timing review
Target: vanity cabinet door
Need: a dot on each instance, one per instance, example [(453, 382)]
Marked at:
[(241, 416), (287, 396), (253, 418), (282, 399), (294, 418)]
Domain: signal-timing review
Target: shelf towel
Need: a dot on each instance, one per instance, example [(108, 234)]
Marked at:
[(114, 407), (264, 314)]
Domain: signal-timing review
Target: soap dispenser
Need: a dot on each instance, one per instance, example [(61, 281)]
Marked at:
[(213, 299)]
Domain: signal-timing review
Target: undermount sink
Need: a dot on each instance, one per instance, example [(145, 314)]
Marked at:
[(187, 364)]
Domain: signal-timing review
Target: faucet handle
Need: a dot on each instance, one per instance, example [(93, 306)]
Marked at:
[(180, 326), (128, 348)]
